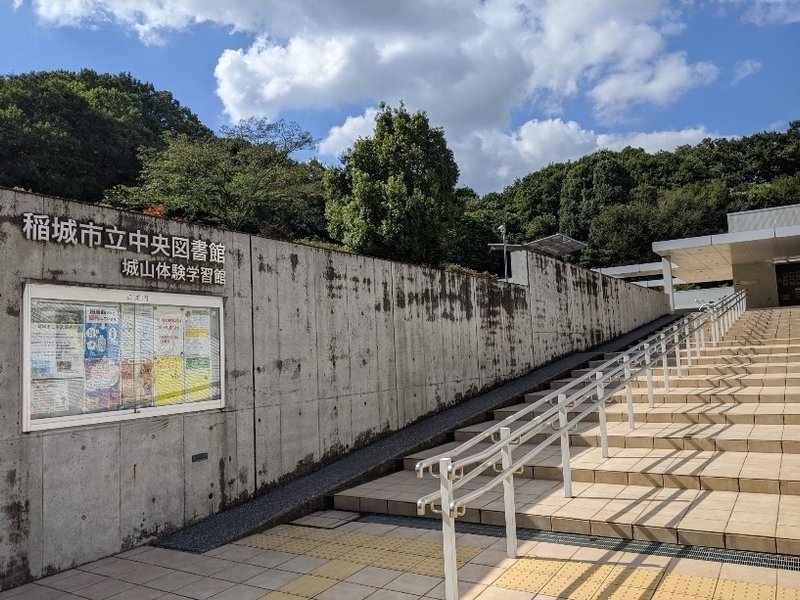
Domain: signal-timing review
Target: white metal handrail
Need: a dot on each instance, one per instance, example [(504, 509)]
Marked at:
[(589, 393)]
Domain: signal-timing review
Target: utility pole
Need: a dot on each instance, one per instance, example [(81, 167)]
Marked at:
[(502, 229)]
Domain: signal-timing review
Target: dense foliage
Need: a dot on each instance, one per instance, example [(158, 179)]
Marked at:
[(395, 196), (77, 134), (96, 137), (244, 180), (619, 202)]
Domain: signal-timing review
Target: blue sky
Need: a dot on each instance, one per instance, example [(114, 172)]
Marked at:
[(516, 84)]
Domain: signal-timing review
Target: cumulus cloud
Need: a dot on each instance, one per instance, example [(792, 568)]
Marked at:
[(490, 159), (768, 12), (341, 137), (475, 66), (744, 69)]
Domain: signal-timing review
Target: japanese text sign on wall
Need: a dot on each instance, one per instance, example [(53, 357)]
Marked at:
[(159, 248)]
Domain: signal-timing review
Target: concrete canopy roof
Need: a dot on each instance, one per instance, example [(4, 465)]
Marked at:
[(711, 258)]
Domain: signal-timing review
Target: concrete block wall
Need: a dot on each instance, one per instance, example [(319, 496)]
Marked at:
[(325, 351)]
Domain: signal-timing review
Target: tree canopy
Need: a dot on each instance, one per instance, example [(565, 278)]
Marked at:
[(77, 134), (395, 196), (245, 181)]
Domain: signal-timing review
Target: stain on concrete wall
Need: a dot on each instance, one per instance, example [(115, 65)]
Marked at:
[(325, 352)]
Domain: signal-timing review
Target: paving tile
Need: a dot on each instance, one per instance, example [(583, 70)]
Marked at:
[(105, 589), (272, 579), (175, 580), (374, 576), (204, 588), (413, 584), (240, 592), (270, 558)]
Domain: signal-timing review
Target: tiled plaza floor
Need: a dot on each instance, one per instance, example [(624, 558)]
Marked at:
[(330, 556)]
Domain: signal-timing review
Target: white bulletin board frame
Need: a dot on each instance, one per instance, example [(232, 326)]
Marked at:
[(70, 293)]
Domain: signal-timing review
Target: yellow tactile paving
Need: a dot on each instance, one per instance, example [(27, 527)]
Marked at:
[(734, 590), (308, 586), (348, 552), (338, 569)]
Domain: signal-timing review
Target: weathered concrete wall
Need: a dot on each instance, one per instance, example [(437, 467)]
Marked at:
[(324, 352)]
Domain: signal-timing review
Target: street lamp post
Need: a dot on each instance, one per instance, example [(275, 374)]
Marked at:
[(502, 229)]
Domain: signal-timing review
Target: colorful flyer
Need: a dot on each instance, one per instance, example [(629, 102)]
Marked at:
[(102, 384), (198, 378), (168, 380), (197, 327), (168, 331), (102, 332)]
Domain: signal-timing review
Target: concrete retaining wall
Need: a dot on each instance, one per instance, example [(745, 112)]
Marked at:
[(324, 352)]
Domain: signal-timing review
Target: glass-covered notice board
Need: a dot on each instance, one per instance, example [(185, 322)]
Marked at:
[(99, 355)]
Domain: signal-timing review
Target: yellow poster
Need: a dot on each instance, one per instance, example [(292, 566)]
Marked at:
[(168, 380)]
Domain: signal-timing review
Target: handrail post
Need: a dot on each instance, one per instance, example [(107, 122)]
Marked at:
[(688, 345), (601, 415), (714, 327), (664, 364), (677, 345), (628, 391), (508, 495), (697, 331), (703, 336), (566, 470), (648, 364), (448, 532)]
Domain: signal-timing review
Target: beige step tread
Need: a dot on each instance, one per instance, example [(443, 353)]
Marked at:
[(761, 472), (681, 436), (720, 519), (762, 413), (731, 395), (710, 381)]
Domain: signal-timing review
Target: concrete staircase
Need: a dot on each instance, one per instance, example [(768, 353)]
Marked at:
[(715, 463)]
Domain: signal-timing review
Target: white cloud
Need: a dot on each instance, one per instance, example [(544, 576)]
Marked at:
[(769, 12), (475, 66), (659, 83), (341, 137), (745, 69), (491, 159)]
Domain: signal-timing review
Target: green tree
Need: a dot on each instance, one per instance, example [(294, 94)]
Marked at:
[(78, 134), (232, 182), (395, 195)]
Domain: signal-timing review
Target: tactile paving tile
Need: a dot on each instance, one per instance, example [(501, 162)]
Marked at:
[(268, 542), (296, 545), (423, 548), (577, 589), (308, 586), (540, 565), (331, 551), (322, 535), (734, 590), (338, 569), (623, 593), (370, 541), (522, 580), (688, 585), (787, 594), (432, 567), (364, 555), (398, 561), (638, 578)]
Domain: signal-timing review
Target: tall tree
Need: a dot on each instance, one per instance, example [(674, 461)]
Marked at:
[(395, 196), (78, 134), (232, 182)]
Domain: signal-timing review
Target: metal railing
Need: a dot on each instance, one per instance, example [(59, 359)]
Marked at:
[(554, 416)]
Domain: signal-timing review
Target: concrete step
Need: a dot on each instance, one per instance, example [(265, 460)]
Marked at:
[(714, 437), (708, 395), (747, 350), (718, 519), (720, 369), (736, 380), (761, 472), (765, 413)]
